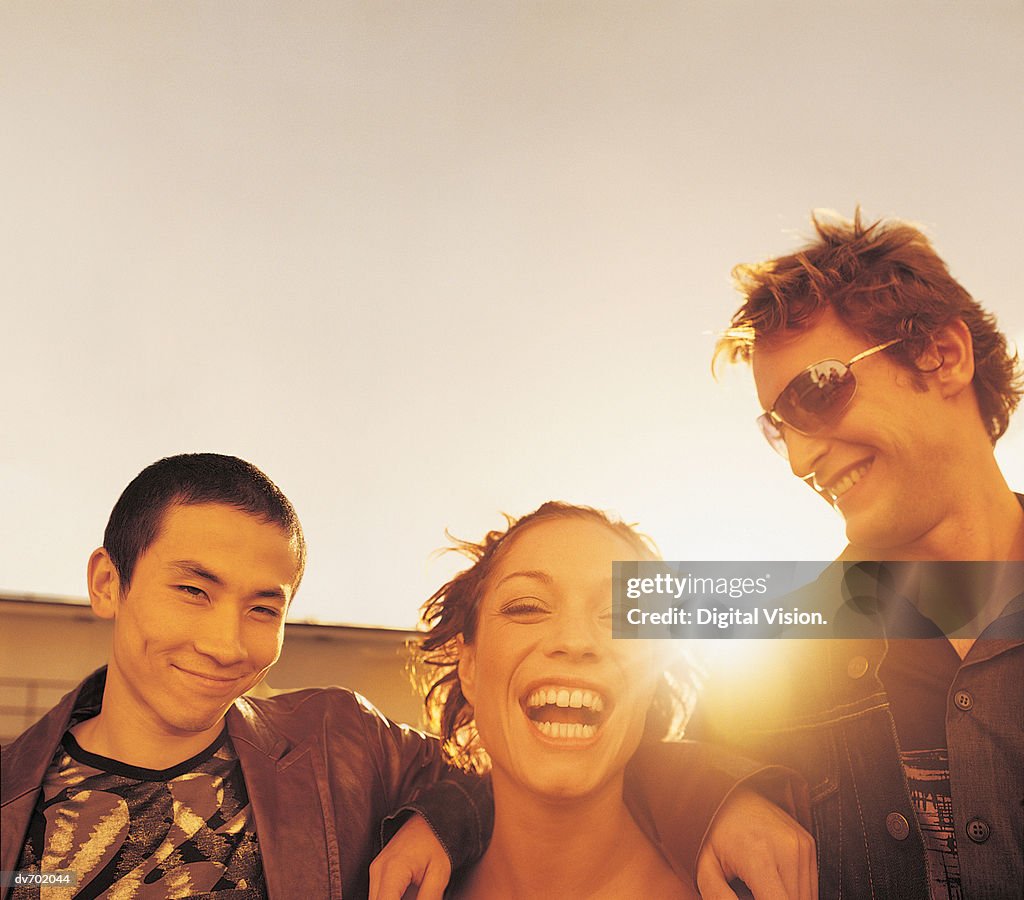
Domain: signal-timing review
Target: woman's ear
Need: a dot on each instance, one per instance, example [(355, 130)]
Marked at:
[(467, 667), (949, 360), (104, 584)]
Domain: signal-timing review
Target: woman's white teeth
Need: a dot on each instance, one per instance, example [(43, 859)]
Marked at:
[(575, 699), (566, 729)]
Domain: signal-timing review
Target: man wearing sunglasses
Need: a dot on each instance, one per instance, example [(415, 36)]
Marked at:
[(885, 386)]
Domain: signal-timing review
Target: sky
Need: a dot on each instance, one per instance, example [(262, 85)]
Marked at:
[(426, 263)]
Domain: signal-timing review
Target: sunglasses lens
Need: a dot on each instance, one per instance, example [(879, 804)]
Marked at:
[(817, 396), (772, 434)]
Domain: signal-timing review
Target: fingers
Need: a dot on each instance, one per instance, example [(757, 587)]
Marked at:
[(767, 884), (414, 856), (780, 868), (807, 887), (757, 842), (388, 882), (811, 864), (790, 869), (711, 881), (797, 867), (433, 885), (800, 869)]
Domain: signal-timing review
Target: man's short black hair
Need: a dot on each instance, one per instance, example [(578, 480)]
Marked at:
[(186, 480)]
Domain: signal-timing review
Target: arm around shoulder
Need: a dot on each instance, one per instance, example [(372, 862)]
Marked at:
[(675, 790)]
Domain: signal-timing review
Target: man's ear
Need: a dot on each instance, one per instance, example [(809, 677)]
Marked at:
[(467, 668), (104, 584), (948, 362)]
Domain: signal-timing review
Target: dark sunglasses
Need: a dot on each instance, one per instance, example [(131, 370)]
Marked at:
[(814, 399)]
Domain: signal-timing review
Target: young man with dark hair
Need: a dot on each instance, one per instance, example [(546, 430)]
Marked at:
[(885, 386), (158, 776)]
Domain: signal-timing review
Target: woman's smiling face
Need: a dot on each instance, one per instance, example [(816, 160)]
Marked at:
[(560, 706)]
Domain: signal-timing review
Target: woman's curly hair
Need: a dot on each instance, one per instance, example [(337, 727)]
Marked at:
[(452, 611)]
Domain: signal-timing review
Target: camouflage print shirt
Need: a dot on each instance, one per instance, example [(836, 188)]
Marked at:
[(129, 832)]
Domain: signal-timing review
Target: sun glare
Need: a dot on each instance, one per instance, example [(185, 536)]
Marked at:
[(729, 658)]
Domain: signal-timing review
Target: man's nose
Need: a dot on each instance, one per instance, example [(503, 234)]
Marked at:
[(805, 451), (220, 636)]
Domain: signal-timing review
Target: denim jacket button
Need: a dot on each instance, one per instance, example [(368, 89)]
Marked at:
[(897, 826), (963, 700), (978, 830), (857, 667)]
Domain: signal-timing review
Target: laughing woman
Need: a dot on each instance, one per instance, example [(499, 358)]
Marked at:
[(528, 683)]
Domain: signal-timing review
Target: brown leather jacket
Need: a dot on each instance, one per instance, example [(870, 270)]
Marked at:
[(322, 768)]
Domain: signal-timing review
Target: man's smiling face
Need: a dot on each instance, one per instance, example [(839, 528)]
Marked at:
[(202, 620), (884, 461)]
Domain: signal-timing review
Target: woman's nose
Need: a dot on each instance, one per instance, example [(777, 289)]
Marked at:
[(577, 635)]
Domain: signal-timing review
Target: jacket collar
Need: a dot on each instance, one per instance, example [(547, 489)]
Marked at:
[(29, 756), (287, 780), (246, 722)]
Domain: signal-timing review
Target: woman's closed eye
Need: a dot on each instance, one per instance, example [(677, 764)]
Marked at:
[(524, 608)]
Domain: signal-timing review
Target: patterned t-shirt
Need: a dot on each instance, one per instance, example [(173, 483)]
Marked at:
[(927, 774), (917, 675), (144, 834)]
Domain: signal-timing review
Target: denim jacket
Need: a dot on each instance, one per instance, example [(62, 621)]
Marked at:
[(819, 707)]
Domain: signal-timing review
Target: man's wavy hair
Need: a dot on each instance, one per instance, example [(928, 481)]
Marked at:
[(885, 280), (453, 611)]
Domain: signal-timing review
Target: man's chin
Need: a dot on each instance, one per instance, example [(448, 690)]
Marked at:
[(870, 539), (190, 723)]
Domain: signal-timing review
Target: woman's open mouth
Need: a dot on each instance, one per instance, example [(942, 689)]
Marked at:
[(562, 712)]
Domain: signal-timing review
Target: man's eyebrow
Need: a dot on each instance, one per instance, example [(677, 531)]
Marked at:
[(196, 570), (536, 574), (188, 567)]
